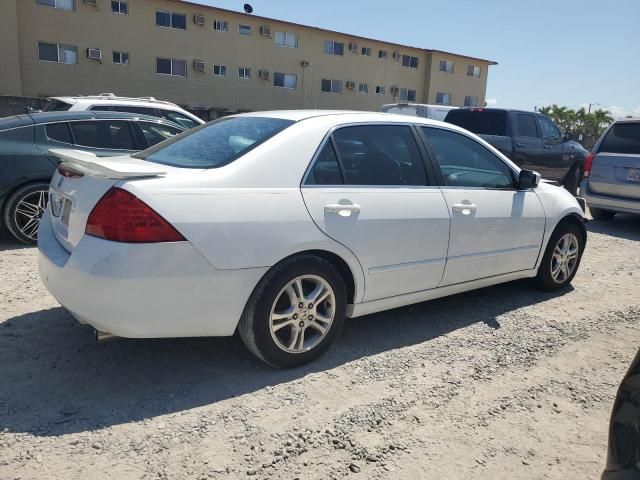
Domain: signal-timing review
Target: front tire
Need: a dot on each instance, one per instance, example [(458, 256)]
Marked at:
[(295, 313), (600, 214), (561, 258), (23, 211)]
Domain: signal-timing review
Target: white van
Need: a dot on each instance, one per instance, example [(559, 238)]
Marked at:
[(435, 112)]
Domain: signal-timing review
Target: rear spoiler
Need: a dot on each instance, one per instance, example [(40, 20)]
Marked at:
[(117, 168)]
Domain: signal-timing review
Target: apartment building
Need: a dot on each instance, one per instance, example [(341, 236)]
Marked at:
[(204, 57)]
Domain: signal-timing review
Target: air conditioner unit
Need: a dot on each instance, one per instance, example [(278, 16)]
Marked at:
[(198, 66), (353, 47), (351, 85), (264, 74), (396, 56), (395, 90), (91, 3), (198, 19), (265, 31), (94, 53)]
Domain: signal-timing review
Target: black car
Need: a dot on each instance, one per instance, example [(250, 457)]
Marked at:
[(529, 139), (26, 166)]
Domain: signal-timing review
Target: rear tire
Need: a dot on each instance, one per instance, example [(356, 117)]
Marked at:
[(600, 214), (23, 211), (561, 258), (572, 180), (285, 328)]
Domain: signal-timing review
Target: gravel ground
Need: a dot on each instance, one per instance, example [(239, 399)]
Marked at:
[(504, 382)]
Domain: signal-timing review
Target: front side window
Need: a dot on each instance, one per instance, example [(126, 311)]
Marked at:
[(121, 58), (121, 8), (380, 155), (447, 66), (157, 132), (286, 39), (443, 98), (171, 20), (179, 118), (244, 73), (326, 170), (59, 132), (55, 52), (215, 144), (331, 86), (466, 163), (548, 128), (108, 134), (220, 25), (333, 48), (409, 61), (68, 5), (220, 70), (470, 101), (171, 66), (527, 125), (285, 80), (473, 71)]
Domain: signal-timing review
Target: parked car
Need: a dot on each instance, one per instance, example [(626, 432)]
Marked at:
[(623, 456), (529, 139), (612, 172), (435, 112), (280, 224), (26, 166), (109, 102)]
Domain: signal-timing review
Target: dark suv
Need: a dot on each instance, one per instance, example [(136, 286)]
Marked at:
[(26, 166)]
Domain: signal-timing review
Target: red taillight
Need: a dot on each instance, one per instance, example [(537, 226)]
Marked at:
[(588, 162), (68, 172), (120, 216)]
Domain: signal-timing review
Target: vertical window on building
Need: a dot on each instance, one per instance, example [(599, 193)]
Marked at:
[(331, 86), (172, 20), (121, 8), (171, 66), (366, 51), (380, 90), (363, 88), (407, 95), (409, 61), (244, 29), (285, 80), (333, 48), (221, 25), (286, 39), (382, 54), (473, 71), (470, 101), (54, 52), (68, 5), (121, 58), (443, 98), (446, 66), (220, 70), (244, 73)]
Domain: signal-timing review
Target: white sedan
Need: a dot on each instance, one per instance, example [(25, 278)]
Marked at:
[(281, 224)]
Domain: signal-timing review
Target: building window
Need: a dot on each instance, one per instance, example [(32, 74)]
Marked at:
[(363, 88), (286, 39), (407, 95), (121, 8), (333, 48), (171, 66), (68, 5), (220, 70), (409, 61), (443, 98), (446, 66), (366, 51), (331, 86), (473, 71), (244, 73), (470, 101), (221, 25), (171, 20), (244, 29), (285, 80), (121, 58), (55, 52), (380, 90), (382, 54)]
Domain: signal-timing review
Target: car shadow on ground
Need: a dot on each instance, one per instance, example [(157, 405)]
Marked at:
[(7, 242), (56, 380), (621, 226)]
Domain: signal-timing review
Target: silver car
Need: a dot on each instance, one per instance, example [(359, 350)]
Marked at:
[(612, 172)]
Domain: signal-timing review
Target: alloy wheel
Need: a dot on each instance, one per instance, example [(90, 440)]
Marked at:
[(564, 258), (29, 211)]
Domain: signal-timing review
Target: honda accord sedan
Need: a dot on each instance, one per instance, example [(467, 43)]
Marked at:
[(281, 224)]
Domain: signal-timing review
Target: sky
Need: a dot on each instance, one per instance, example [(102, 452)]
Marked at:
[(568, 52)]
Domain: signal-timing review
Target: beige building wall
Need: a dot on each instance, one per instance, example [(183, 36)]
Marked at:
[(10, 71), (138, 35)]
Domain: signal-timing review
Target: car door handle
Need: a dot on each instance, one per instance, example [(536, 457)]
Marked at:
[(342, 209), (548, 147), (521, 145), (464, 208)]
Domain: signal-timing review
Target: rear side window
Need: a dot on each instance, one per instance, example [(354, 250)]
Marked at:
[(622, 138), (59, 132), (527, 125), (326, 170), (56, 106), (125, 109), (215, 144), (480, 121), (179, 118), (380, 155), (109, 134)]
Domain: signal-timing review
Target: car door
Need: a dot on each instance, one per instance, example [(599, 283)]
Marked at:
[(368, 190), (528, 145), (495, 228), (555, 161)]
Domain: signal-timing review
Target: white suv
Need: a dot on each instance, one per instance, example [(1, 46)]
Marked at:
[(111, 102)]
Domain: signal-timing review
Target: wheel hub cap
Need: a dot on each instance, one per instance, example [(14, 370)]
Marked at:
[(564, 258), (29, 211)]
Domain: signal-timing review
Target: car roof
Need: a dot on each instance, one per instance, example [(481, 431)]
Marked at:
[(48, 117), (478, 109), (113, 99), (338, 116)]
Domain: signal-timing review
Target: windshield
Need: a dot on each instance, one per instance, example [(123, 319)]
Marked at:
[(215, 144), (480, 122)]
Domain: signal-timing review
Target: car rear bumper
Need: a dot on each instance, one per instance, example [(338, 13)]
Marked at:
[(605, 202), (143, 290)]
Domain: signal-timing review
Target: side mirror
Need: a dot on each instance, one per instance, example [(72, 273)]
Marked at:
[(528, 179), (567, 136)]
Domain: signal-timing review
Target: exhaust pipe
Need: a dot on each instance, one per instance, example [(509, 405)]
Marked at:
[(104, 337)]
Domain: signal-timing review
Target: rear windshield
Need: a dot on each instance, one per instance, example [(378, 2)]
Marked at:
[(480, 122), (215, 144), (622, 138), (56, 106)]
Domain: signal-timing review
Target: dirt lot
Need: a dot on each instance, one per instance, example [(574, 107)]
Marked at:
[(504, 382)]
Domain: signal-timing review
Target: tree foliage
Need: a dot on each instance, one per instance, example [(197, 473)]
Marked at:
[(578, 121)]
